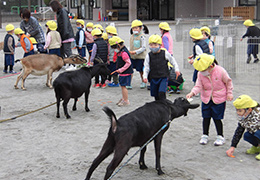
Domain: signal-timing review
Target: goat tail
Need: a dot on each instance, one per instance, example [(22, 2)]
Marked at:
[(17, 60), (112, 117)]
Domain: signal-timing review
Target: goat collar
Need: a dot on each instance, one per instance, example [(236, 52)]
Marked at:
[(63, 62)]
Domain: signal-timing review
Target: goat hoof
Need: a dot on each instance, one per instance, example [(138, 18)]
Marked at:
[(74, 109), (68, 117), (143, 166), (16, 87), (23, 88), (58, 116), (87, 109), (160, 172)]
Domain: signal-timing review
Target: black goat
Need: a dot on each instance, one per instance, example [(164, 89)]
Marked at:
[(135, 129), (73, 84)]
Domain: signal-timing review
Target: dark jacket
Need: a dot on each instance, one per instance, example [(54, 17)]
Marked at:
[(77, 37), (6, 48), (203, 45), (121, 62), (102, 49), (158, 65), (252, 33), (64, 26)]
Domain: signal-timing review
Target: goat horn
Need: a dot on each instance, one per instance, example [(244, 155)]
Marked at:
[(98, 59), (81, 58)]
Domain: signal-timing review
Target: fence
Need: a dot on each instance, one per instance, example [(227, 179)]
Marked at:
[(231, 53)]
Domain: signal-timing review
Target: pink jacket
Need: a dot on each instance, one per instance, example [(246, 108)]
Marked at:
[(89, 37), (216, 86), (169, 44)]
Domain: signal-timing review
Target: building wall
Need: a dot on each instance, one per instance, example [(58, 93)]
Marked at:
[(189, 9)]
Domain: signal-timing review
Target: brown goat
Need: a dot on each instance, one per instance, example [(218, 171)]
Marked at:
[(41, 64)]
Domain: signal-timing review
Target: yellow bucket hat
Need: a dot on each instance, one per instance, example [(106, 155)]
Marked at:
[(248, 22), (105, 36), (164, 26), (196, 33), (33, 40), (115, 40), (80, 21), (203, 61), (244, 102), (52, 25), (96, 32), (9, 27), (206, 29), (98, 26), (155, 38), (90, 24), (18, 31), (136, 23), (111, 30)]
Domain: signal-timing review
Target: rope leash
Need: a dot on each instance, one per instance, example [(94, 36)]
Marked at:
[(3, 120), (2, 77), (162, 128)]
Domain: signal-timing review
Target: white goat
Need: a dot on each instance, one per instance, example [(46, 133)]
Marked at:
[(41, 64)]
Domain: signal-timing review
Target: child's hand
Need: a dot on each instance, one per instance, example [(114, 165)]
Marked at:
[(132, 52), (145, 80), (74, 47), (191, 61), (177, 74), (190, 57), (230, 152), (241, 39), (188, 96), (116, 71), (230, 97)]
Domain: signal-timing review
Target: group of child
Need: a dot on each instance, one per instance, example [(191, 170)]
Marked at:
[(215, 88)]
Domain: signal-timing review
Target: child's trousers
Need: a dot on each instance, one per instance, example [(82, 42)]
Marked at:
[(252, 138)]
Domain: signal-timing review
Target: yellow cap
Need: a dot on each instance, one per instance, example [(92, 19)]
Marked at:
[(164, 26), (248, 22), (155, 38), (196, 33), (80, 21), (105, 36), (90, 24), (203, 61), (52, 25), (136, 23), (33, 40), (206, 29), (98, 26), (111, 30), (9, 27), (115, 40), (18, 31), (244, 101), (96, 32)]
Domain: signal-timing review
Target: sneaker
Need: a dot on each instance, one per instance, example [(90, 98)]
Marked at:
[(204, 139), (71, 68), (171, 91), (129, 87), (124, 103), (178, 91), (103, 86), (148, 88), (219, 141), (5, 71), (256, 60), (107, 82), (12, 72), (119, 101), (248, 60), (97, 85), (142, 85), (258, 157), (113, 84), (253, 150)]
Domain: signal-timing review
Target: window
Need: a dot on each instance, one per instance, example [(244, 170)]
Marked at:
[(96, 4), (120, 4), (247, 2), (74, 3)]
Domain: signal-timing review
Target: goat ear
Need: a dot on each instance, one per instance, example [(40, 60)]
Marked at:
[(193, 106)]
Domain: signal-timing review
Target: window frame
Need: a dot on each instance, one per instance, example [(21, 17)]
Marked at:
[(247, 4)]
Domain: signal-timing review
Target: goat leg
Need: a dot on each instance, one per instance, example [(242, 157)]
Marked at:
[(106, 150), (74, 108), (49, 79), (86, 99), (26, 73), (65, 104), (18, 79), (157, 146), (58, 107), (141, 159)]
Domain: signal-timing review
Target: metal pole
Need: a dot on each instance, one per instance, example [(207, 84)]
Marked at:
[(1, 14), (29, 5)]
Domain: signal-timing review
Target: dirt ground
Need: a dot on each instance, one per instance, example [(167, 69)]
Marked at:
[(39, 146)]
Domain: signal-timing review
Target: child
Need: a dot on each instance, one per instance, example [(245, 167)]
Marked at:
[(111, 31), (200, 46), (252, 33), (89, 37), (53, 38), (206, 37), (100, 50), (156, 64), (124, 67), (215, 87), (80, 38), (98, 26), (167, 41), (138, 48), (25, 42), (248, 112), (34, 42), (9, 48)]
